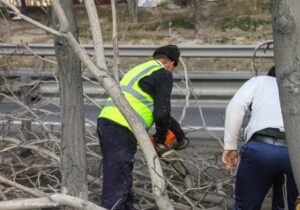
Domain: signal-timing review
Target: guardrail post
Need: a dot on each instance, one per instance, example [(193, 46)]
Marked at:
[(26, 99)]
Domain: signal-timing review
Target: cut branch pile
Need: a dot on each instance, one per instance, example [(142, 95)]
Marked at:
[(35, 143), (30, 162)]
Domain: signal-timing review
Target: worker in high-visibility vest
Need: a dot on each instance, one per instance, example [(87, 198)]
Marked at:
[(147, 87)]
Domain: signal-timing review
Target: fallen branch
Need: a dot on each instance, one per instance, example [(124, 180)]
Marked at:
[(30, 191), (55, 200)]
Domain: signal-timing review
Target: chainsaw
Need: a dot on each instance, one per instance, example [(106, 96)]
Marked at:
[(169, 155), (169, 143)]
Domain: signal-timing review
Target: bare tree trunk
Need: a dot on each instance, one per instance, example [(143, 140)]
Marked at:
[(73, 161), (286, 32), (23, 6), (133, 10), (197, 14), (7, 28)]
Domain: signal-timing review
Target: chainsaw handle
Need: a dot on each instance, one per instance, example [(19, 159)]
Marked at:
[(183, 144)]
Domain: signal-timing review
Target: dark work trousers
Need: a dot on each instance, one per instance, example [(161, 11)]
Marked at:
[(118, 146), (261, 167)]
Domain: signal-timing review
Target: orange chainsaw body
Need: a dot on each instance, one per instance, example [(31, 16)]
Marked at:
[(169, 154), (170, 141)]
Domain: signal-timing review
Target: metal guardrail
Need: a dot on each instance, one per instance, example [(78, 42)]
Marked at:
[(210, 88), (195, 75), (203, 51)]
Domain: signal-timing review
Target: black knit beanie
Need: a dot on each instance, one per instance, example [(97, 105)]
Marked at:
[(171, 51)]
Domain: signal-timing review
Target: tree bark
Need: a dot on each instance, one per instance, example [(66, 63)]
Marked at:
[(133, 10), (73, 160), (286, 33), (197, 14)]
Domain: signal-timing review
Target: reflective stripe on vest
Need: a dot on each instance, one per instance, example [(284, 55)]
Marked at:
[(139, 100), (135, 93)]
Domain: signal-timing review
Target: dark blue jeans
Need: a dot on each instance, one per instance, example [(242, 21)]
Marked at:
[(261, 167), (118, 146)]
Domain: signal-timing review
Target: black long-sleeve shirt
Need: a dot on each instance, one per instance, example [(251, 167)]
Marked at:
[(159, 86)]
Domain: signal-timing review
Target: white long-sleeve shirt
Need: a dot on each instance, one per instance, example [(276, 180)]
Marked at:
[(262, 92)]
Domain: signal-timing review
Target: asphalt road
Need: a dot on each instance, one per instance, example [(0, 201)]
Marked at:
[(213, 117)]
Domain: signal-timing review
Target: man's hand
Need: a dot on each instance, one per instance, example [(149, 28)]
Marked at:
[(298, 203), (231, 159)]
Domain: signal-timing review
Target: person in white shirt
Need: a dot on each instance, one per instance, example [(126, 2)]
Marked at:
[(263, 160)]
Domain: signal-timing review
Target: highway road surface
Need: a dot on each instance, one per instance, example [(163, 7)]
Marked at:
[(192, 122)]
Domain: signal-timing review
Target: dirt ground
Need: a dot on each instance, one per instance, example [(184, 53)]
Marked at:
[(221, 23), (216, 27)]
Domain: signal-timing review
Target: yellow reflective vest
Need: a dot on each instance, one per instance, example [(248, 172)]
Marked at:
[(140, 101)]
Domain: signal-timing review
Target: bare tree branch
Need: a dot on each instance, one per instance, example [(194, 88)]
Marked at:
[(96, 32), (33, 192), (115, 41), (29, 20), (55, 200)]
